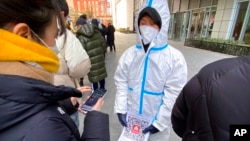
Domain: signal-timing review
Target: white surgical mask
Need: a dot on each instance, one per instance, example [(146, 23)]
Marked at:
[(148, 33), (53, 48)]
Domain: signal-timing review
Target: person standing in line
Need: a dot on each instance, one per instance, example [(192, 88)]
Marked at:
[(81, 21), (93, 42), (111, 37), (102, 28), (215, 98), (28, 98), (150, 74), (74, 64)]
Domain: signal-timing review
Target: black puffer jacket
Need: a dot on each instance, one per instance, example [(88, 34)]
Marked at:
[(217, 97), (29, 112), (95, 45)]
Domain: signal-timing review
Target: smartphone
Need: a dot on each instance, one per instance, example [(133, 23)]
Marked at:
[(91, 101)]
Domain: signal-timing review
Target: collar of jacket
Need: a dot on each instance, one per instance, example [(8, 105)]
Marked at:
[(26, 70), (17, 48)]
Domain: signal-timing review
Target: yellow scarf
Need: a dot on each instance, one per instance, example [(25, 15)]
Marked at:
[(17, 48)]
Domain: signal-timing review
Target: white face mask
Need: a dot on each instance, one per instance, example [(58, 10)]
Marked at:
[(148, 33), (53, 48)]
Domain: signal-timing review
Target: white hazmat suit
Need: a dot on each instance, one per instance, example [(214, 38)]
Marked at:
[(148, 83)]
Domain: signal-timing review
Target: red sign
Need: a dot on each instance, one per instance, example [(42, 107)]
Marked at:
[(136, 129)]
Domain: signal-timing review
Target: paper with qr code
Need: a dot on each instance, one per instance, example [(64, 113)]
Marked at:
[(136, 124)]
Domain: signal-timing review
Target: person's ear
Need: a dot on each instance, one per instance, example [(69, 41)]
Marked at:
[(63, 17), (62, 13), (23, 30)]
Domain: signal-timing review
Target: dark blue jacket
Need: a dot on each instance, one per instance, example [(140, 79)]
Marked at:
[(29, 112)]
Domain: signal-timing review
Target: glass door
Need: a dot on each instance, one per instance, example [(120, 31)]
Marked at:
[(241, 14), (171, 26), (246, 38), (185, 25), (193, 29), (205, 22), (245, 33), (196, 24), (208, 22)]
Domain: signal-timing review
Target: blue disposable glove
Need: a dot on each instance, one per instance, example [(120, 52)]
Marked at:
[(122, 119), (151, 129)]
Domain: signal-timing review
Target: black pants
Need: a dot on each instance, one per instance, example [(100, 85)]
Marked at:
[(102, 84), (111, 44), (81, 82)]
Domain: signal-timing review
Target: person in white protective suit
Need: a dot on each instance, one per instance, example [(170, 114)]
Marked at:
[(150, 74)]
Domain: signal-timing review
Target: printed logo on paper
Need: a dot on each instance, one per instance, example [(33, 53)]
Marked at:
[(136, 129)]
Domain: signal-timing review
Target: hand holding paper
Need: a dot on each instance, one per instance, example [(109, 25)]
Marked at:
[(151, 129), (122, 119)]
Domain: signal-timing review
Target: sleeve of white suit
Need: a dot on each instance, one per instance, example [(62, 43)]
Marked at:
[(173, 86), (121, 82)]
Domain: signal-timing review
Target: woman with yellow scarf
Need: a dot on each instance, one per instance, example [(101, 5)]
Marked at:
[(28, 98)]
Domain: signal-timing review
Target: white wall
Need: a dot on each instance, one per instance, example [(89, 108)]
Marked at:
[(130, 9), (123, 14)]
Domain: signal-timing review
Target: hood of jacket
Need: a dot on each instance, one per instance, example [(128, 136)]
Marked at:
[(161, 7), (87, 30), (22, 97)]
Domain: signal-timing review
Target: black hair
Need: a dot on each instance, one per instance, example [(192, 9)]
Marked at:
[(84, 16), (63, 7), (151, 12), (94, 22), (37, 14)]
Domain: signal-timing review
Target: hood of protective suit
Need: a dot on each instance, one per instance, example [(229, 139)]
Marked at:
[(162, 9)]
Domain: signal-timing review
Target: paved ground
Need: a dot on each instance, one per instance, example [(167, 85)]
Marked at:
[(195, 58)]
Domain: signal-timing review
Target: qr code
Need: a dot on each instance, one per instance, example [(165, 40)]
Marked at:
[(135, 127)]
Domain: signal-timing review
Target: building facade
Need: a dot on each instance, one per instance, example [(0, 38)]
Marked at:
[(93, 8), (221, 19)]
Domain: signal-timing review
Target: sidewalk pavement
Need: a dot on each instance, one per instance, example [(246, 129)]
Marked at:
[(195, 58)]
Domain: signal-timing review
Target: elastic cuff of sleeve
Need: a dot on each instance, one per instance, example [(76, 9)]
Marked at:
[(158, 126)]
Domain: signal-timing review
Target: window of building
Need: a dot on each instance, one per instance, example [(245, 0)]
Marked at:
[(78, 6), (196, 23), (246, 38), (208, 22), (171, 26), (178, 18), (185, 24), (240, 19)]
